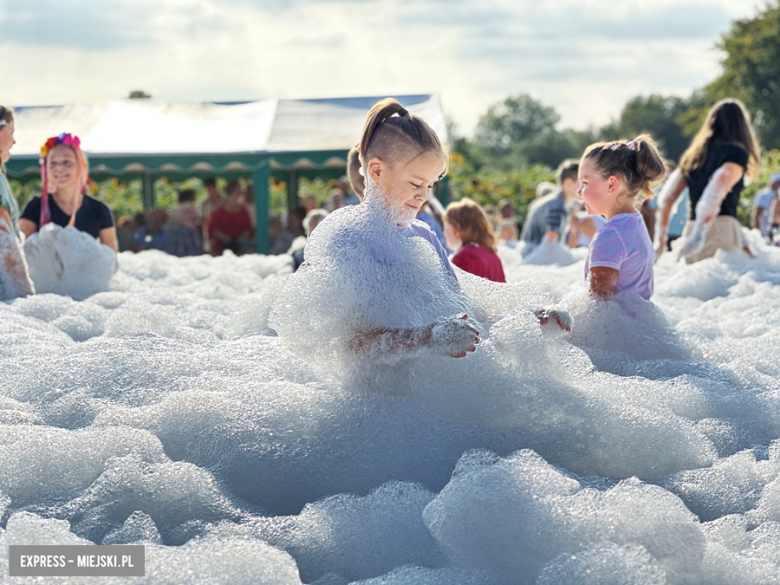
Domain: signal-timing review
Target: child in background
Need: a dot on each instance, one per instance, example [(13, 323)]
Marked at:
[(615, 178), (468, 232)]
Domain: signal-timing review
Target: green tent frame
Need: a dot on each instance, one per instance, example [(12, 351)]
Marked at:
[(260, 166)]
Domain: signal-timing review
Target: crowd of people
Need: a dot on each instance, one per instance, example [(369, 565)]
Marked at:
[(621, 200)]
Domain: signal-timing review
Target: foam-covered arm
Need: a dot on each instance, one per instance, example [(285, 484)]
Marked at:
[(707, 208), (12, 262), (669, 195), (451, 336)]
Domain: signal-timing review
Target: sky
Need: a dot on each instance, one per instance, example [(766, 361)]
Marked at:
[(585, 58)]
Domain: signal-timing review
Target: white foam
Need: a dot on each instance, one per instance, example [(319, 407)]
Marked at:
[(69, 262), (166, 411)]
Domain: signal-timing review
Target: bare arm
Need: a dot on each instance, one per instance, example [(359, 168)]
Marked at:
[(452, 336), (12, 258), (551, 237), (27, 227), (107, 236), (603, 282), (670, 193)]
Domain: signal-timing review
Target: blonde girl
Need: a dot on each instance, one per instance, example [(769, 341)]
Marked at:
[(615, 178)]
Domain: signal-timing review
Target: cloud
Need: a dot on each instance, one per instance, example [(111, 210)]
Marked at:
[(583, 57), (85, 24)]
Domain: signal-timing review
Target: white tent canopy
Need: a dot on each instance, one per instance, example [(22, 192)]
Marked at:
[(150, 127)]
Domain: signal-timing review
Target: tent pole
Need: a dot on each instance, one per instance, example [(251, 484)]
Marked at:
[(444, 191), (260, 178), (148, 191), (292, 190)]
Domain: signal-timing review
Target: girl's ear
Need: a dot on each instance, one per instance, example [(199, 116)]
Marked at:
[(613, 183), (375, 169)]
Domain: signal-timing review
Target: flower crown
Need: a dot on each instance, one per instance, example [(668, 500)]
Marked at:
[(65, 138)]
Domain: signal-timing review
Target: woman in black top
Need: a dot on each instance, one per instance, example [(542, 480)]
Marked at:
[(713, 168), (64, 173)]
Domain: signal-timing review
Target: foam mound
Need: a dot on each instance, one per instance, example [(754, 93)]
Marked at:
[(204, 407), (69, 262)]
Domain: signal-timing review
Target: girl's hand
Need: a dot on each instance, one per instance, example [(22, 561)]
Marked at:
[(561, 318), (695, 242), (454, 335)]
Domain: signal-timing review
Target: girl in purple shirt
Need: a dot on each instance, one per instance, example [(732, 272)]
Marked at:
[(615, 179)]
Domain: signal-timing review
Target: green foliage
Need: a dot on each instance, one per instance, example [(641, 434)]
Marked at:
[(123, 198), (655, 115), (515, 120), (770, 163), (751, 72), (487, 186), (319, 187)]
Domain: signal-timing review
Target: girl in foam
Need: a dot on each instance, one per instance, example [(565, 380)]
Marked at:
[(14, 278), (713, 169), (467, 230), (71, 239), (376, 282), (615, 178), (64, 173)]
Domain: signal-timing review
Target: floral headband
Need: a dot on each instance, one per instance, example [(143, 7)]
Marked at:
[(65, 138)]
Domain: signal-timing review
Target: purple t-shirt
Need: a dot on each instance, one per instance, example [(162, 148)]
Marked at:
[(624, 244), (420, 229)]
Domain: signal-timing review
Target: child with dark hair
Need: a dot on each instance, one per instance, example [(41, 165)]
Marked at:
[(230, 227), (615, 178), (468, 231), (547, 216)]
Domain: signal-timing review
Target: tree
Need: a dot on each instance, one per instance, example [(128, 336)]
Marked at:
[(655, 115), (751, 72), (138, 94), (517, 119)]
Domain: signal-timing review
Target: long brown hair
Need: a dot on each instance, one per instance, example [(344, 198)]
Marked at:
[(727, 121), (637, 163), (391, 133), (471, 223)]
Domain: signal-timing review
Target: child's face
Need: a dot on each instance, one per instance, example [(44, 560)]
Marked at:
[(594, 189), (62, 167), (406, 185)]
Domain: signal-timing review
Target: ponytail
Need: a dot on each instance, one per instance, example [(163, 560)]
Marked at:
[(637, 163), (383, 110), (393, 134), (353, 171)]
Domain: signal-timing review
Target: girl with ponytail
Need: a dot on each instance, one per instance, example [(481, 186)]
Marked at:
[(64, 174), (615, 179), (376, 282)]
